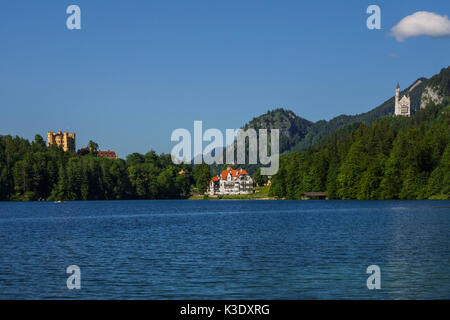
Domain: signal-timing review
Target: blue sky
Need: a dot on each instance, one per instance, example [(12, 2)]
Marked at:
[(137, 70)]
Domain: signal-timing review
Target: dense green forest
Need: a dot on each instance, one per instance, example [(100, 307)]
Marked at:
[(299, 134), (320, 129), (393, 158), (292, 127), (368, 156), (32, 171)]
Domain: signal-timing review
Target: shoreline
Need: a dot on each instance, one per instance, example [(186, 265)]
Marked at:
[(224, 199)]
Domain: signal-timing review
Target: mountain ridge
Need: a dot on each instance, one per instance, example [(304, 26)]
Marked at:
[(299, 134)]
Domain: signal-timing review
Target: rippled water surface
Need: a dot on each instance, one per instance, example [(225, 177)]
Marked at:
[(225, 249)]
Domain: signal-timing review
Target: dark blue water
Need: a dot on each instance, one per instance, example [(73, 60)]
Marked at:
[(225, 249)]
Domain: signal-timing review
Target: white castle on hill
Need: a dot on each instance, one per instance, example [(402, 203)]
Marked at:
[(403, 105)]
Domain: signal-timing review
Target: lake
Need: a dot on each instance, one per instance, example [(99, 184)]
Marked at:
[(225, 249)]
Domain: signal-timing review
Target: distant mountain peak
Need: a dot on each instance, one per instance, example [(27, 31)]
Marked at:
[(292, 127)]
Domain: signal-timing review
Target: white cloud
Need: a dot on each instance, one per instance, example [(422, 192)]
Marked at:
[(421, 23)]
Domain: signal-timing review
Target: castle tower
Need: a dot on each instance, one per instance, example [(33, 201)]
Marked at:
[(397, 98), (50, 138)]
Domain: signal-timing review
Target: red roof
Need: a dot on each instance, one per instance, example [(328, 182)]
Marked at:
[(215, 179), (107, 154), (234, 173)]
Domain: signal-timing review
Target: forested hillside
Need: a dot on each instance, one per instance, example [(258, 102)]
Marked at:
[(392, 158), (299, 134), (32, 171), (367, 156), (292, 127), (320, 129)]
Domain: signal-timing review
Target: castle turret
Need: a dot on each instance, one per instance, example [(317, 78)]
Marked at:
[(397, 98)]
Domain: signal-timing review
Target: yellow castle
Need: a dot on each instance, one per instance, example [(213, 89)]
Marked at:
[(64, 140)]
